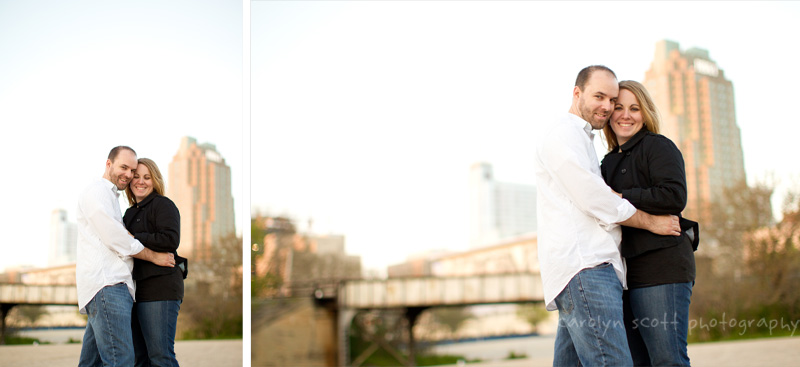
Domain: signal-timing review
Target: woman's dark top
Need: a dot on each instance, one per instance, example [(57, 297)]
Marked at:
[(649, 172), (156, 223)]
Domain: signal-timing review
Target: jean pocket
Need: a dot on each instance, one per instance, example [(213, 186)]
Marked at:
[(564, 301), (91, 310)]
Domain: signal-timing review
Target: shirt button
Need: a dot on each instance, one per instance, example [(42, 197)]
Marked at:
[(628, 153), (624, 170)]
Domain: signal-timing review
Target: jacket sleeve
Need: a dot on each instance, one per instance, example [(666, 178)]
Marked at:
[(667, 195), (167, 229)]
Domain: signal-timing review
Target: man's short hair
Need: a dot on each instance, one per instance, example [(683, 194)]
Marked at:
[(586, 73), (112, 155)]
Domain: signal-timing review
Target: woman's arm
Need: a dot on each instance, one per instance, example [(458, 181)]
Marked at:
[(667, 195), (166, 237)]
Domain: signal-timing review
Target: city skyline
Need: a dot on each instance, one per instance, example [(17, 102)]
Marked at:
[(491, 70), (68, 214), (63, 247), (698, 114), (199, 182), (78, 78), (498, 210), (374, 112)]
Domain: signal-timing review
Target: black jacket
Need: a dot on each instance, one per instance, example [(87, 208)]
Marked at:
[(649, 172), (155, 222)]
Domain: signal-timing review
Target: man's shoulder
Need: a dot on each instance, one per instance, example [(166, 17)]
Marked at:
[(97, 184), (561, 129), (96, 188)]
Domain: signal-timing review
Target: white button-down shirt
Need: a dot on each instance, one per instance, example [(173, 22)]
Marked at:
[(104, 246), (577, 212)]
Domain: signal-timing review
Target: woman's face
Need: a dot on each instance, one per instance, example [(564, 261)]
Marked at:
[(142, 184), (626, 120)]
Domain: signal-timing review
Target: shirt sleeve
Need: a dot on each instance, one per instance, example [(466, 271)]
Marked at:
[(667, 195), (166, 236), (100, 216), (561, 156)]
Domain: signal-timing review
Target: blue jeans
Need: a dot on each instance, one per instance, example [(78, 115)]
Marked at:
[(657, 323), (107, 340), (590, 325), (153, 326)]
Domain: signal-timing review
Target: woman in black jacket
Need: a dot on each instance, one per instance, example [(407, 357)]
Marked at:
[(154, 220), (647, 169)]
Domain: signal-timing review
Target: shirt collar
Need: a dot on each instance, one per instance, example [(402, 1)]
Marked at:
[(110, 185), (582, 124), (634, 139)]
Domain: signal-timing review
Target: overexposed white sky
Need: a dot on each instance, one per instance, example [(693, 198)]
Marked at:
[(80, 77), (365, 116)]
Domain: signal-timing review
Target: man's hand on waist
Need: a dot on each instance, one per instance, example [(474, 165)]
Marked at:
[(665, 225), (158, 258)]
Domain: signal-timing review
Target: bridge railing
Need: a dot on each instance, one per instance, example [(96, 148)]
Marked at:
[(441, 291), (38, 294)]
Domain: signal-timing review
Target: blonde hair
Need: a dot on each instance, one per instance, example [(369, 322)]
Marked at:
[(650, 116), (155, 175)]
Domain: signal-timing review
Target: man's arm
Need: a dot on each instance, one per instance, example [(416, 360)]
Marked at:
[(100, 215), (158, 258), (587, 190), (665, 225), (98, 209), (567, 162)]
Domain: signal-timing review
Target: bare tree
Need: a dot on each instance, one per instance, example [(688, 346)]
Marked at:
[(533, 313), (27, 315), (758, 262), (212, 305), (738, 210), (451, 317)]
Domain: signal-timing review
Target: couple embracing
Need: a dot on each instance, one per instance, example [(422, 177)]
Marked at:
[(613, 248), (129, 274)]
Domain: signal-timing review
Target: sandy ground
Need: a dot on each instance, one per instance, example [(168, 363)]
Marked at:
[(223, 353), (192, 353), (784, 351)]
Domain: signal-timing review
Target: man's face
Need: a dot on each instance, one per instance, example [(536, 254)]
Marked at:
[(120, 172), (596, 101)]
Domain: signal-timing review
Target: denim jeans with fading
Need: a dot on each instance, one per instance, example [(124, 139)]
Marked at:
[(657, 323), (591, 331), (154, 324), (107, 339)]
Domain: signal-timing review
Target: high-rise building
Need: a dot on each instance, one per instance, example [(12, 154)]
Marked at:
[(63, 239), (199, 183), (697, 108), (498, 210)]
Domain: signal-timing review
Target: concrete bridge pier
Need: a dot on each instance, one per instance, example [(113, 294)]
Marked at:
[(412, 313), (5, 308), (31, 294), (345, 318)]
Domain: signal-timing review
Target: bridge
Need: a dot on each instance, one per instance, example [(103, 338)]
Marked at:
[(26, 294), (414, 295)]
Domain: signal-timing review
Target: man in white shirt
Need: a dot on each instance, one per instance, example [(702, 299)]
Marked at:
[(105, 259), (579, 236)]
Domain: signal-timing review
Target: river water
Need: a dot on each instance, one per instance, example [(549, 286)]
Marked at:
[(54, 335), (535, 347)]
